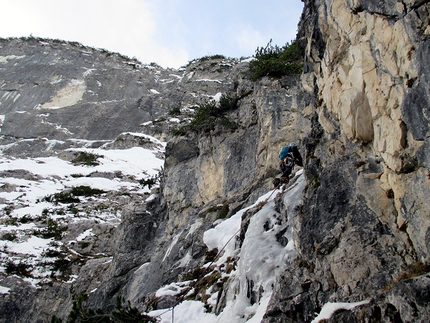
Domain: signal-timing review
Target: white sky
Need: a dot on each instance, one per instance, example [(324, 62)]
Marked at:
[(168, 32)]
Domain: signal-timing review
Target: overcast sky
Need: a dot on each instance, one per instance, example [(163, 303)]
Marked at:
[(168, 32)]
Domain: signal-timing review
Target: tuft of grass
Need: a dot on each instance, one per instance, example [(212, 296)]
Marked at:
[(313, 183), (175, 111), (211, 254), (193, 274), (202, 285), (300, 210), (11, 221), (417, 269), (305, 264), (221, 210)]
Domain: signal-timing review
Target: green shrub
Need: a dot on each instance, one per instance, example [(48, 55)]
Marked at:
[(8, 209), (228, 124), (51, 253), (84, 190), (9, 236), (87, 159), (179, 131), (11, 221), (122, 313), (61, 263), (26, 218), (210, 57), (276, 61), (20, 269), (151, 181), (209, 114), (52, 230), (72, 195), (15, 221), (72, 208), (62, 197), (227, 103), (84, 244)]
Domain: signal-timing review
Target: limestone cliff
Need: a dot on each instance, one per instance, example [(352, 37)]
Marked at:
[(366, 163)]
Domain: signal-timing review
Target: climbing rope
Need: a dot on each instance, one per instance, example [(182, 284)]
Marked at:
[(270, 195)]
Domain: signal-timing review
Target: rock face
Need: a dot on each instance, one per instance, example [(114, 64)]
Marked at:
[(367, 165), (62, 90), (359, 113)]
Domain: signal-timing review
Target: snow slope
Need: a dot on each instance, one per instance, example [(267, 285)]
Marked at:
[(35, 214)]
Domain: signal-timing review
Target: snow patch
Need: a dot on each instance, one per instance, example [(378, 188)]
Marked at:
[(329, 308), (186, 312), (171, 289), (174, 120), (88, 71), (4, 290), (34, 246), (85, 234), (172, 244), (217, 97), (5, 59), (209, 80), (2, 118)]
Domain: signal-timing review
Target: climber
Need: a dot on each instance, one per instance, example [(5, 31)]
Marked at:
[(289, 156)]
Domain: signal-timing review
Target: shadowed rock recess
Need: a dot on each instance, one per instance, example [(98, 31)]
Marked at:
[(359, 113)]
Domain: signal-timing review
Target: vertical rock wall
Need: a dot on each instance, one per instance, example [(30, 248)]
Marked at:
[(363, 229)]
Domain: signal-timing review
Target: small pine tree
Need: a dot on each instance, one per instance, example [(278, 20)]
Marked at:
[(276, 61)]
